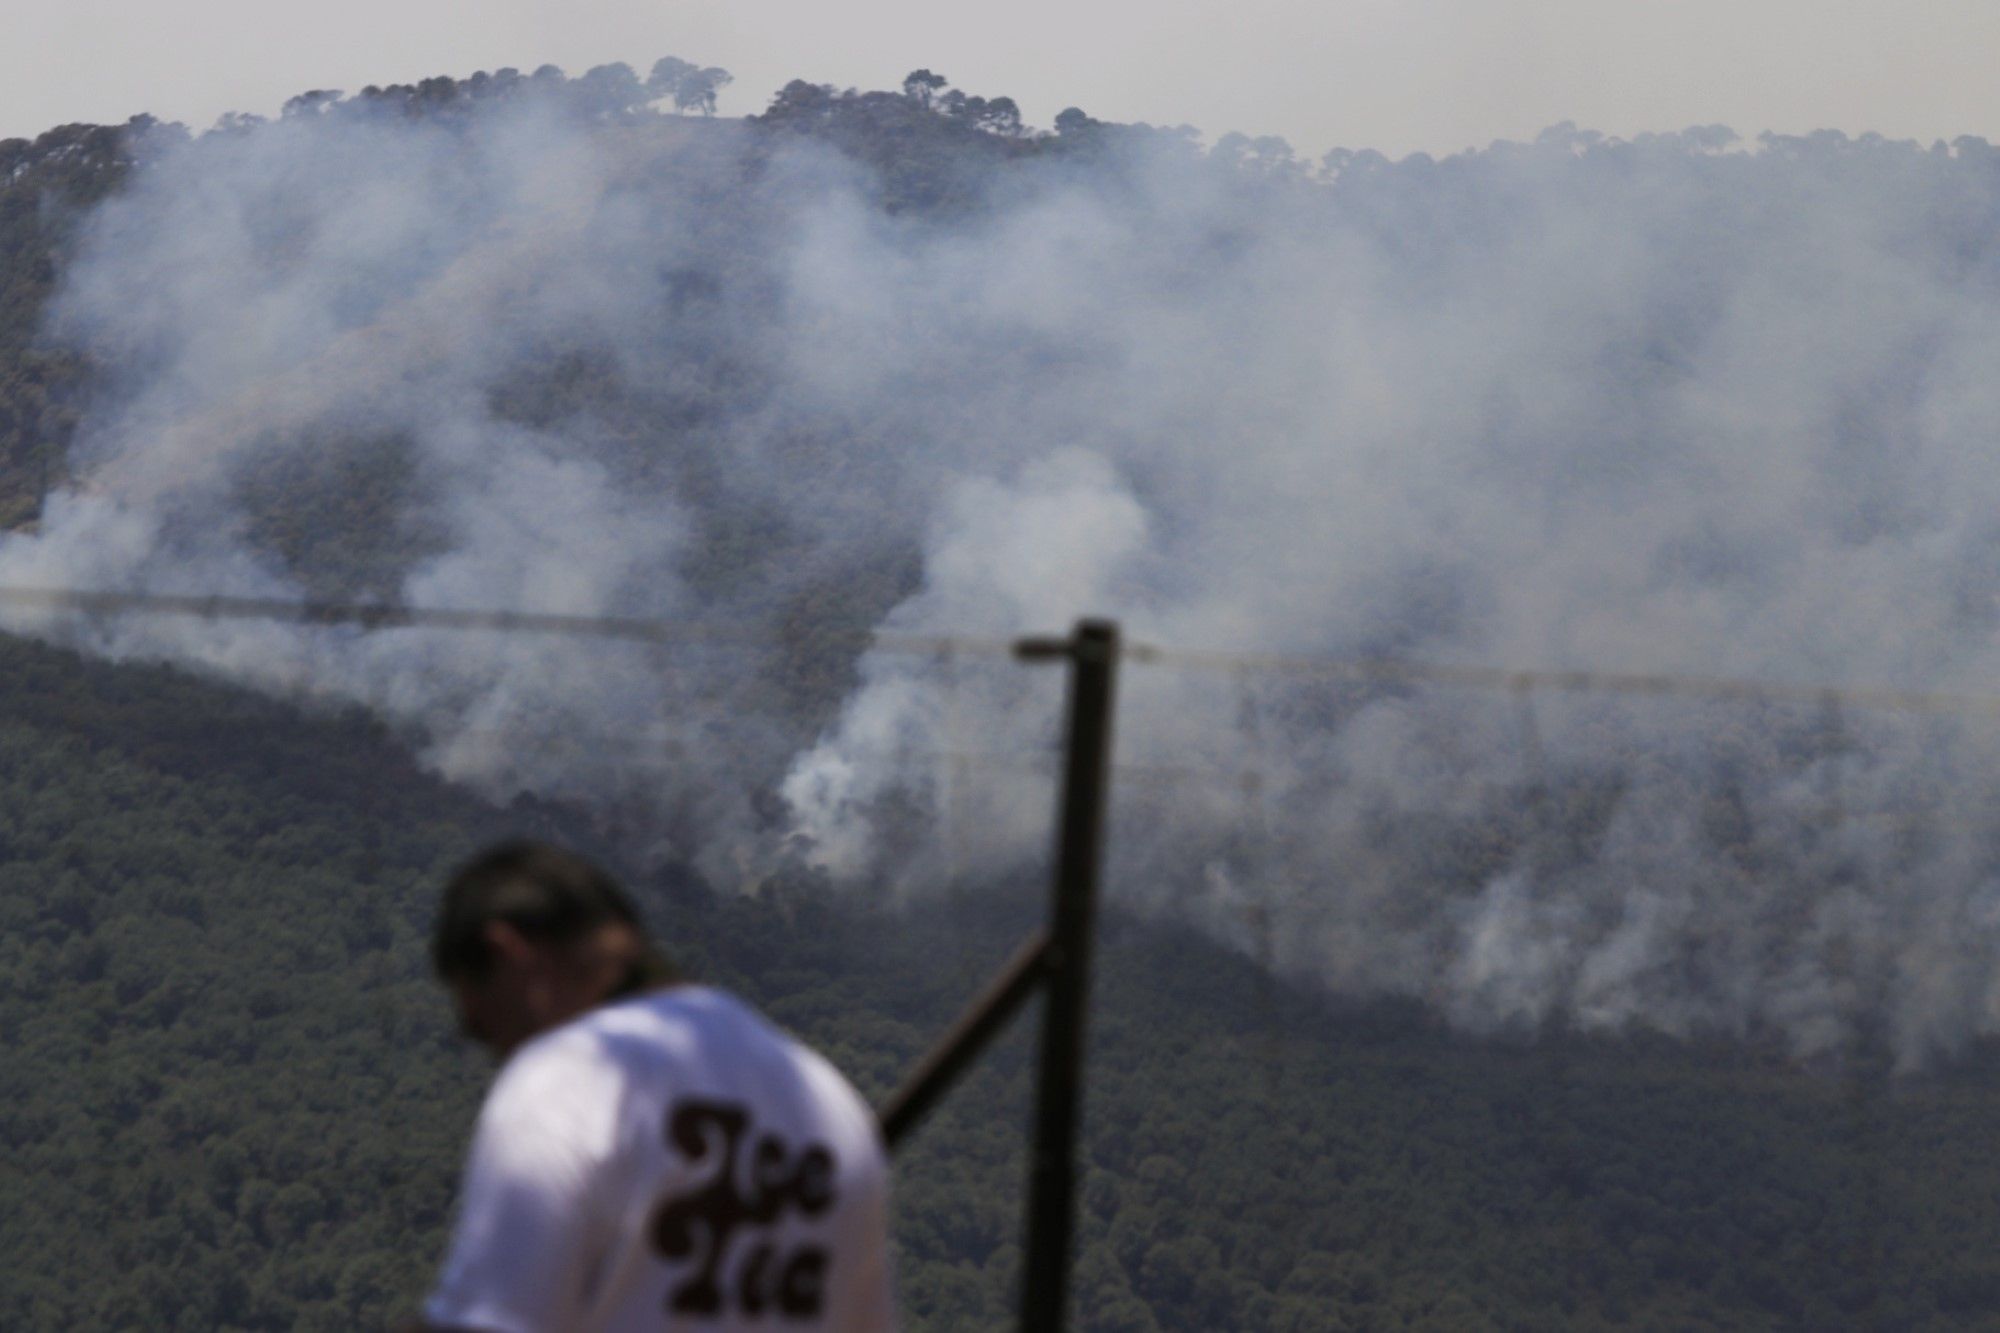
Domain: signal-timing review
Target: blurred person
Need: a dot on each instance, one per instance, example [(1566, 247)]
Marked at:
[(653, 1154)]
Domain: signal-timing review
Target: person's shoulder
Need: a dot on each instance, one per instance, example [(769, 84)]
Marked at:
[(832, 1093), (723, 1016), (657, 1029), (575, 1053), (561, 1088), (687, 1004), (712, 1007)]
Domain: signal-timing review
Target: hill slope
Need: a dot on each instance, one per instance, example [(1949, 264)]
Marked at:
[(791, 375), (230, 1100)]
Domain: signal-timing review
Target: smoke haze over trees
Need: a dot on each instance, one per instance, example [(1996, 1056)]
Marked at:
[(895, 359)]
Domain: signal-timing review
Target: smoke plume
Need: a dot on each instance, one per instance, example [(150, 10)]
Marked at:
[(1677, 405)]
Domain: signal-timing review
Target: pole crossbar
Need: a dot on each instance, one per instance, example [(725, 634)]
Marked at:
[(966, 1040)]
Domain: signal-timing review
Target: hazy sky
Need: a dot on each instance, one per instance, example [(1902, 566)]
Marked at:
[(1390, 74)]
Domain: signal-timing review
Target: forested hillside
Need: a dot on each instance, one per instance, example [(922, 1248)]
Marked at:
[(1416, 1010), (46, 187), (230, 1098)]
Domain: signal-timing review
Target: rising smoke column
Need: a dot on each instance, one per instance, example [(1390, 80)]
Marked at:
[(1674, 405)]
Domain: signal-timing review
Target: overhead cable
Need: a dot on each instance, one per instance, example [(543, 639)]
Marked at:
[(1367, 670), (393, 615), (1726, 689)]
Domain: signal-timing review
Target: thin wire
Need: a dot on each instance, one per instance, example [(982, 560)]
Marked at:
[(389, 615), (1522, 684), (1386, 670), (375, 615)]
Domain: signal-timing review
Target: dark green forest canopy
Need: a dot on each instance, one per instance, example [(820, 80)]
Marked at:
[(46, 186), (230, 1098)]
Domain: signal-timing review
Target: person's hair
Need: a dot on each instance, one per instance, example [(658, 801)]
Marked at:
[(548, 894)]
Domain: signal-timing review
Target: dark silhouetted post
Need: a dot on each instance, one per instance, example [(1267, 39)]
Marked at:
[(1056, 957), (1093, 655)]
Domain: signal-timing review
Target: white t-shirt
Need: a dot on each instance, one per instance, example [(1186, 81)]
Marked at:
[(673, 1161)]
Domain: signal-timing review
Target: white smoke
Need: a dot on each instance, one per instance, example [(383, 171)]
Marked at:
[(1662, 406)]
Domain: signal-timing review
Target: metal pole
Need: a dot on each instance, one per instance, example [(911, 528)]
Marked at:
[(1093, 656)]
